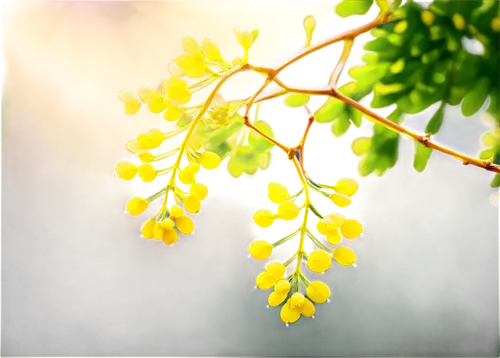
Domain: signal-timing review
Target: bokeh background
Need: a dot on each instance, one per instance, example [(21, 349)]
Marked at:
[(77, 280)]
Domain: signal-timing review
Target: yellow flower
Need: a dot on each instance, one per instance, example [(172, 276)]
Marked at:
[(319, 261), (273, 273), (192, 204), (288, 210), (318, 292), (351, 229), (147, 172), (260, 249), (340, 199), (263, 217), (132, 104), (125, 169), (147, 230), (184, 224), (344, 256), (277, 192), (209, 160), (176, 211), (136, 205), (347, 186)]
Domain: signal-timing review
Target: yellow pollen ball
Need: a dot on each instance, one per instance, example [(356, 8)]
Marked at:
[(282, 286), (147, 230), (260, 249), (276, 298), (186, 177), (277, 192), (344, 256), (263, 217), (172, 114), (136, 205), (495, 24), (147, 141), (184, 224), (170, 237), (288, 210), (125, 169), (351, 229), (341, 200), (192, 204), (347, 186), (132, 146), (176, 211), (209, 160), (147, 172), (287, 314), (318, 292), (319, 261), (192, 167), (167, 224)]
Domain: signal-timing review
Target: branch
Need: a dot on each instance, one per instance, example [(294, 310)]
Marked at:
[(424, 139)]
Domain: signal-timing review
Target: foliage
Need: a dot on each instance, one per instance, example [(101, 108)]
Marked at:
[(418, 57)]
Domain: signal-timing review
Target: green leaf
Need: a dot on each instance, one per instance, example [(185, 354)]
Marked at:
[(486, 154), (476, 97), (258, 141), (436, 121), (491, 115), (356, 116), (296, 99), (309, 26), (495, 183), (341, 125), (422, 155), (330, 110), (361, 145), (348, 8)]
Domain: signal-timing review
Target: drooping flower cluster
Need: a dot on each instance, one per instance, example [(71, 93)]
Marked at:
[(286, 289)]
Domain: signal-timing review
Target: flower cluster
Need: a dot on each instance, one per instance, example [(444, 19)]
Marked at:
[(286, 289)]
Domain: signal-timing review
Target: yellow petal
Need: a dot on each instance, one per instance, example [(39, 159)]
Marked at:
[(344, 256), (282, 286), (170, 237), (131, 108), (210, 49), (127, 96), (260, 249), (192, 204), (146, 93), (318, 292), (185, 225), (319, 261), (136, 205), (263, 217), (167, 224), (287, 314), (147, 230), (347, 186), (333, 237), (275, 269), (296, 301), (276, 298), (191, 45), (341, 200), (351, 229), (156, 105), (265, 280), (307, 308)]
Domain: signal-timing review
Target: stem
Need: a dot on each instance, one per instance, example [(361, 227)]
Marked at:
[(334, 78)]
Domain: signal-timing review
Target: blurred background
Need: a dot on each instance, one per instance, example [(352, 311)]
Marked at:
[(77, 280)]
